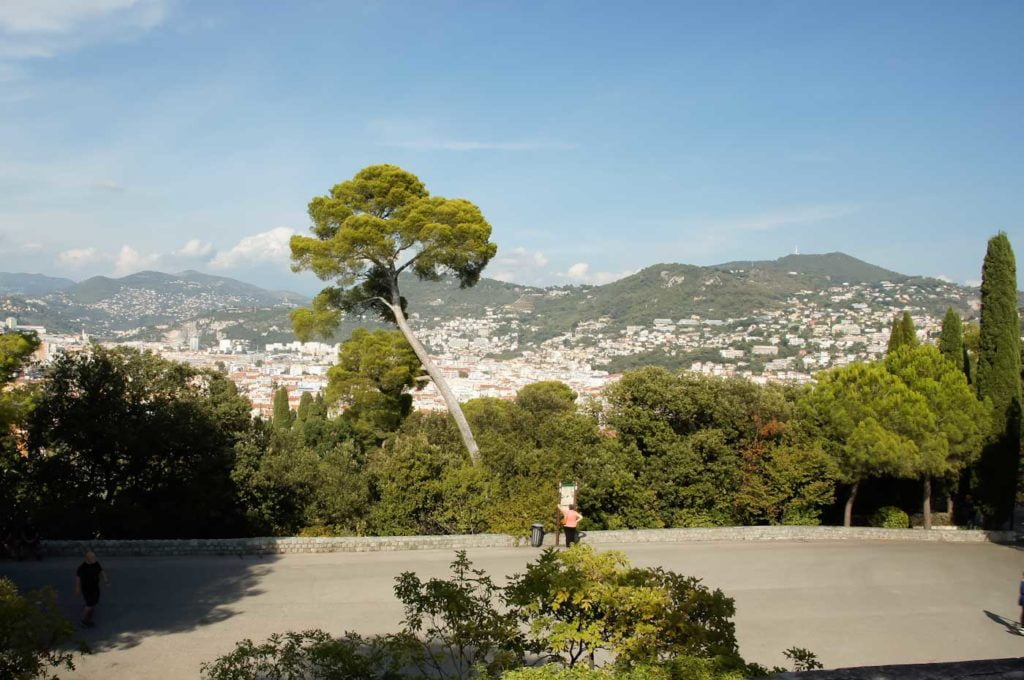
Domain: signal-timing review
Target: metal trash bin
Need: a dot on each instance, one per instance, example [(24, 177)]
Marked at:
[(537, 535)]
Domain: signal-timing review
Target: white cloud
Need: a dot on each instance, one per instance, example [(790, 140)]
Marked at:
[(580, 273), (109, 185), (78, 257), (32, 29), (130, 261), (8, 247), (266, 247), (973, 283), (519, 265), (767, 221), (196, 249)]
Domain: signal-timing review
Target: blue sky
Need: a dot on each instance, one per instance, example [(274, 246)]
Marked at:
[(597, 137)]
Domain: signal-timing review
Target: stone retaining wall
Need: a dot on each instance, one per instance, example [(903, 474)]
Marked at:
[(796, 533), (991, 669), (299, 544), (278, 545)]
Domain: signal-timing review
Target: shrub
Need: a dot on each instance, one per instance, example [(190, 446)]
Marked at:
[(31, 630), (452, 628), (559, 672), (890, 517), (578, 602), (324, 531), (311, 654), (570, 607)]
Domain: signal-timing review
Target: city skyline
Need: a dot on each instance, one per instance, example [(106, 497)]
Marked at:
[(151, 134)]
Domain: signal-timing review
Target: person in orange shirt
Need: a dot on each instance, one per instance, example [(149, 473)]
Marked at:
[(570, 520)]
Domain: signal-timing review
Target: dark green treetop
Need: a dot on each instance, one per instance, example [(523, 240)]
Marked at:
[(369, 231), (283, 415), (951, 340), (998, 371), (997, 378), (903, 333)]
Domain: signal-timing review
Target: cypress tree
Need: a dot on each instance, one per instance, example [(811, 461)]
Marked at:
[(895, 336), (902, 334), (909, 332), (997, 377), (951, 340), (282, 412), (305, 404)]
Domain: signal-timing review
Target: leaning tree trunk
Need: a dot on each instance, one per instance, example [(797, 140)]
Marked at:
[(848, 511), (442, 385), (927, 505)]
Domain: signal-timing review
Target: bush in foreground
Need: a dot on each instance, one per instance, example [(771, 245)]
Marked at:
[(568, 612), (32, 630)]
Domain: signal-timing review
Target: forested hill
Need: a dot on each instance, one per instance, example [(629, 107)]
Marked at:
[(827, 268), (107, 307), (733, 290), (31, 284), (736, 290)]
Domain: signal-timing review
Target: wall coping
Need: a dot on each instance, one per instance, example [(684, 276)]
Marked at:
[(269, 545), (989, 669), (797, 533)]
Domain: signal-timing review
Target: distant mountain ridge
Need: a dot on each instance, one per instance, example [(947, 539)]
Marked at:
[(19, 283), (101, 287), (835, 266), (732, 290), (110, 307)]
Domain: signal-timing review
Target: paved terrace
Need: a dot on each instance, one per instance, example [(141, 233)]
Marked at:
[(853, 602)]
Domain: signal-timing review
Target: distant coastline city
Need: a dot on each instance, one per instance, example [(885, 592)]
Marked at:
[(483, 354)]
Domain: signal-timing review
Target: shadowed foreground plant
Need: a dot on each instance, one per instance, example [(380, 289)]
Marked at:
[(32, 634), (310, 654), (650, 623), (453, 626)]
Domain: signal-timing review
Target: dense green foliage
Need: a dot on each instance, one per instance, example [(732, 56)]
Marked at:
[(951, 340), (309, 655), (902, 333), (864, 416), (33, 634), (950, 437), (371, 381), (126, 444), (368, 232), (579, 603), (693, 442), (160, 449), (998, 378), (15, 404), (567, 610), (890, 517), (911, 416), (282, 413)]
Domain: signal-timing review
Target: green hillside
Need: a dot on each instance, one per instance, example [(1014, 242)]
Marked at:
[(833, 267), (18, 283)]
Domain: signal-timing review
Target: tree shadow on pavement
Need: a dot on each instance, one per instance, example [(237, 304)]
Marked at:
[(1010, 625), (148, 595)]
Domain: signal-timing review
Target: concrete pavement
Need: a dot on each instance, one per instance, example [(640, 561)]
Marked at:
[(851, 602)]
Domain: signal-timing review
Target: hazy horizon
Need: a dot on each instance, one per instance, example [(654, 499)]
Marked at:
[(310, 285)]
